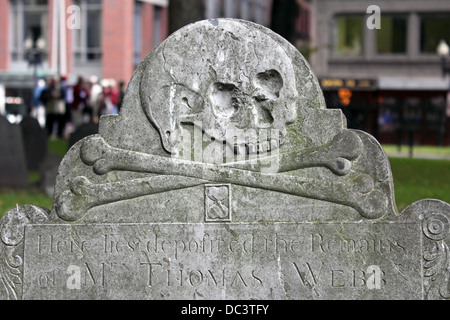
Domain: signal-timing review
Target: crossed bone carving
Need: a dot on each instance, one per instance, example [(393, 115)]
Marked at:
[(171, 173)]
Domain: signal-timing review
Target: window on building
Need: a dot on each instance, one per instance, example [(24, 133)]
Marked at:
[(29, 23), (392, 36), (435, 113), (388, 115), (157, 18), (137, 52), (87, 39), (349, 37), (412, 113), (433, 29)]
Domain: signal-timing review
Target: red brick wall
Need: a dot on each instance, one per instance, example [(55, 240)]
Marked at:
[(148, 21), (4, 35), (165, 23), (117, 39), (69, 37)]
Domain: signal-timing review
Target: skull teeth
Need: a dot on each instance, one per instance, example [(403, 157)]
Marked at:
[(257, 148), (265, 142)]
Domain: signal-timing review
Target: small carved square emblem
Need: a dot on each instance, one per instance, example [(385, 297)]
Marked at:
[(218, 203)]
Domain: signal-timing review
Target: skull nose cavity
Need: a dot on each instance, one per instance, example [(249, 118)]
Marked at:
[(236, 103), (265, 119), (224, 97), (261, 98), (268, 86)]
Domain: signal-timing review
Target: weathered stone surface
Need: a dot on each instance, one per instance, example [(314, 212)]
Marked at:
[(225, 177), (241, 261)]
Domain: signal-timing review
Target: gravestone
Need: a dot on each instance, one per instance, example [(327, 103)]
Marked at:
[(34, 141), (82, 131), (48, 173), (13, 169), (225, 177)]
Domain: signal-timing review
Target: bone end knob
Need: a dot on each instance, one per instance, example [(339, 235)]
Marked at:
[(71, 207), (93, 149), (375, 205), (347, 144), (340, 166)]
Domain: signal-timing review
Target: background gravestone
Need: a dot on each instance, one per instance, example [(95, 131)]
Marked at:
[(225, 177), (34, 141), (13, 170), (82, 131), (48, 173)]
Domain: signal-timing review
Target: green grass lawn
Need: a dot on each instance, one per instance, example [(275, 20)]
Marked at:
[(418, 149), (9, 199), (57, 146), (32, 195), (414, 179)]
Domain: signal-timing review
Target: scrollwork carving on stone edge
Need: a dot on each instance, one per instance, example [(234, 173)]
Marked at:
[(437, 258), (10, 273), (12, 229)]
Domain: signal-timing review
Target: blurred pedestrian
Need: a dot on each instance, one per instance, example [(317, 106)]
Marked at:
[(37, 106), (81, 109), (121, 95), (109, 98), (55, 108), (68, 99), (96, 92)]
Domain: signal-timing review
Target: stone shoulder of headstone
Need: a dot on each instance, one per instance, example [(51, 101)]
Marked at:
[(225, 176)]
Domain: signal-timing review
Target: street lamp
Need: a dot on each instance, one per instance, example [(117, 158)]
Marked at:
[(443, 51), (34, 53)]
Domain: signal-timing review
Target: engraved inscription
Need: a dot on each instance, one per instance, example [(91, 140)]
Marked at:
[(369, 244), (307, 260), (157, 275)]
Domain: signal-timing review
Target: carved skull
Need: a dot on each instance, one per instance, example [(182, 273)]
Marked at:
[(224, 84)]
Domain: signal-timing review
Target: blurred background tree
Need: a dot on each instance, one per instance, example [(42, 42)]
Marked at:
[(182, 12), (284, 16)]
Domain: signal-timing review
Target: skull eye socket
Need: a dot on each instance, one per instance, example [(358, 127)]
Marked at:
[(270, 75), (224, 99), (270, 83)]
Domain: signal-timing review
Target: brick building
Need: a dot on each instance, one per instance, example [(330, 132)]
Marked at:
[(102, 38), (105, 38), (388, 81)]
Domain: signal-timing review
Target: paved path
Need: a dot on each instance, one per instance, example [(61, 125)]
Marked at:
[(418, 155)]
